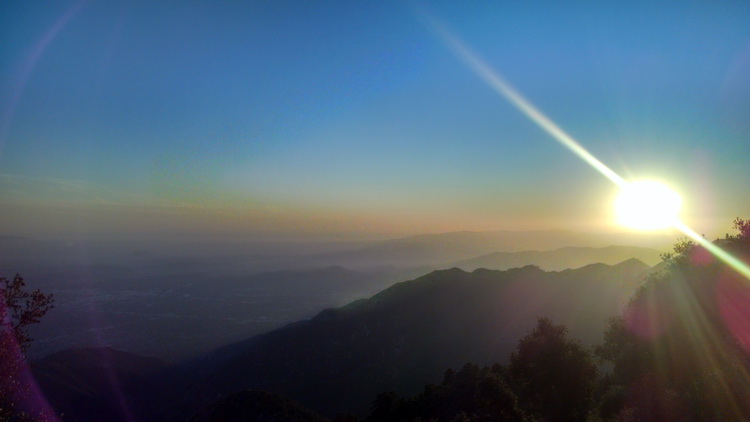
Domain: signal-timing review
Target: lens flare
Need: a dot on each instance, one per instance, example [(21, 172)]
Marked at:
[(648, 205), (503, 88)]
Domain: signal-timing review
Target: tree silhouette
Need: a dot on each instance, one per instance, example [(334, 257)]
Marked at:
[(550, 377), (18, 310), (388, 406), (681, 349), (469, 395), (555, 376), (743, 228)]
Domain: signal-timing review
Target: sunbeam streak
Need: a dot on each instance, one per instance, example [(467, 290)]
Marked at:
[(723, 255), (27, 67), (507, 91), (502, 87)]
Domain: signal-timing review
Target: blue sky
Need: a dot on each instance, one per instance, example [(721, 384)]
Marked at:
[(345, 116)]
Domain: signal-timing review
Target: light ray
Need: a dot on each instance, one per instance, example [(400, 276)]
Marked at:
[(723, 255), (502, 87), (27, 68), (507, 91)]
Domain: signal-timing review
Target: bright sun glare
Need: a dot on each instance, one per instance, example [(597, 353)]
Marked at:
[(648, 205)]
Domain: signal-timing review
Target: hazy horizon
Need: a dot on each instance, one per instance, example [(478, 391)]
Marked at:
[(356, 121)]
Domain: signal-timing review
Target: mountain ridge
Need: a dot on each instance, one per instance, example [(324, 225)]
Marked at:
[(560, 258), (408, 334), (439, 248)]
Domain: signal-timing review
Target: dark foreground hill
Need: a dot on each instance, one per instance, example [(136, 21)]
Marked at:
[(409, 334), (256, 406), (102, 384)]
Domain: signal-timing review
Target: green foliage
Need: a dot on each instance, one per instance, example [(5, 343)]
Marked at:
[(681, 252), (679, 350), (471, 394), (555, 376), (550, 377), (743, 229), (21, 308), (622, 349)]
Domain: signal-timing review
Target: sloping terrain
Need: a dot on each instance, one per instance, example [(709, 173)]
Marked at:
[(408, 334)]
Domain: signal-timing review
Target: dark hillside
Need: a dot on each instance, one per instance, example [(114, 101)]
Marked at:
[(256, 406), (101, 384), (408, 334)]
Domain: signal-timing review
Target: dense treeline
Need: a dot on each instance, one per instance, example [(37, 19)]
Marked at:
[(681, 349), (549, 376)]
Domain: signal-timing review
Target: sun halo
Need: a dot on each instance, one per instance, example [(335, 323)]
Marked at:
[(647, 205)]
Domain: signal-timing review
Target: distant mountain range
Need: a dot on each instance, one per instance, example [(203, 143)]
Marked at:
[(560, 259), (437, 249), (178, 308)]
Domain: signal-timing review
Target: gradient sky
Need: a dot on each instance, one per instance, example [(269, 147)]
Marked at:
[(353, 118)]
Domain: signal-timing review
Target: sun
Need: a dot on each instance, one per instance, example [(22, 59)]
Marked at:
[(648, 205)]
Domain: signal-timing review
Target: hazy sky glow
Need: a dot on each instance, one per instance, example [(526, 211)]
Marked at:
[(350, 117)]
